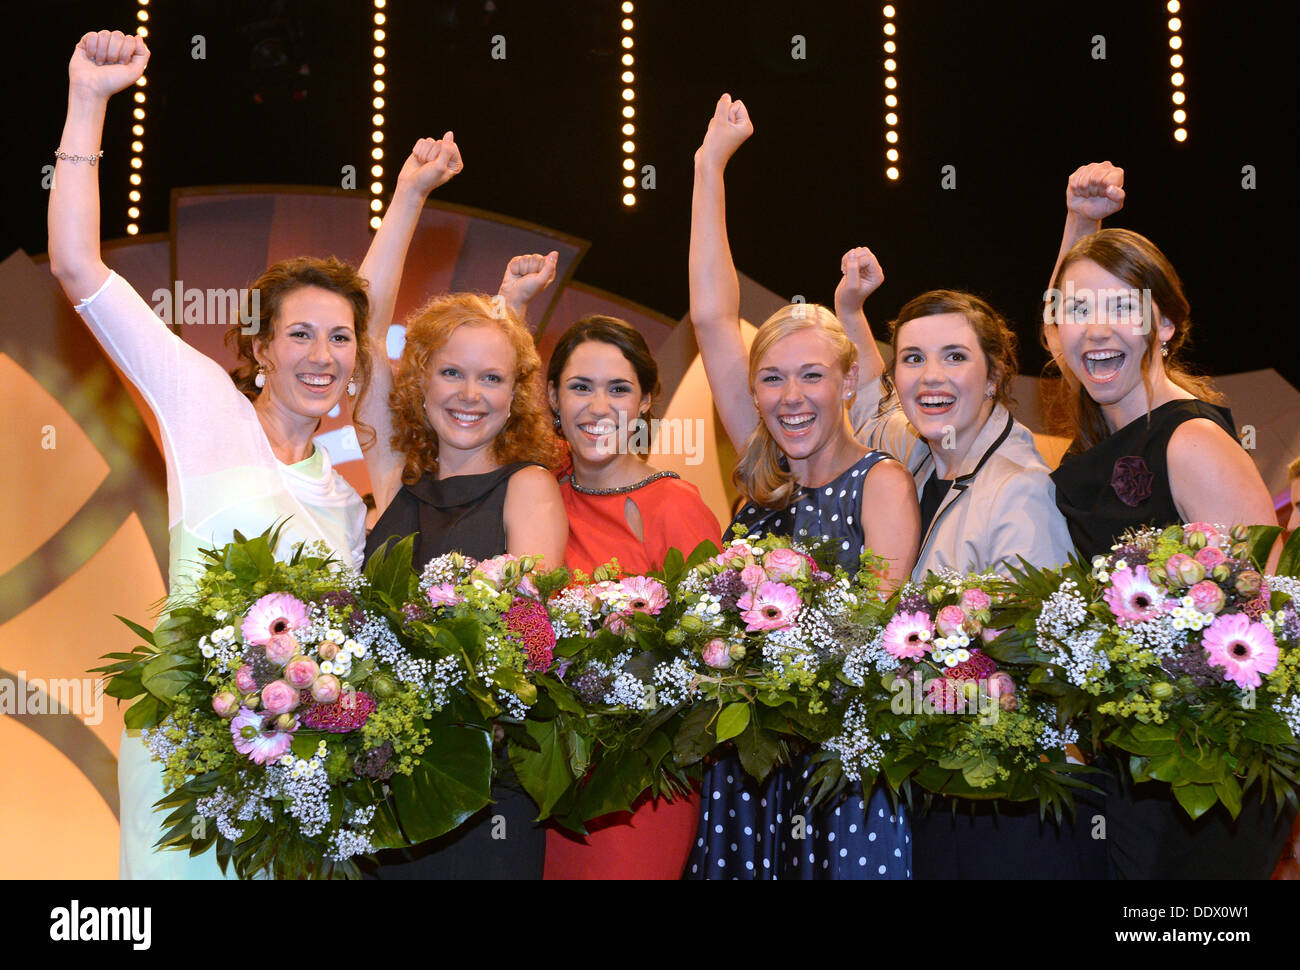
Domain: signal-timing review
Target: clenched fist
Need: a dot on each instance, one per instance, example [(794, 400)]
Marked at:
[(105, 62)]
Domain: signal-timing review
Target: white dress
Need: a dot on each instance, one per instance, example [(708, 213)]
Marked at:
[(221, 477)]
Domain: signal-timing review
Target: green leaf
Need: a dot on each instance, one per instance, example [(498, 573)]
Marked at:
[(615, 783), (545, 773), (147, 712), (561, 695), (1229, 792), (695, 737), (1196, 799), (758, 750), (124, 686), (167, 675), (705, 550), (674, 566), (1260, 543), (144, 634), (732, 720), (451, 781), (1267, 727), (390, 570), (1288, 563)]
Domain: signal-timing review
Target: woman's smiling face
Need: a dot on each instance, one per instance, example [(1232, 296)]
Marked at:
[(469, 387), (943, 381), (800, 390), (1102, 336)]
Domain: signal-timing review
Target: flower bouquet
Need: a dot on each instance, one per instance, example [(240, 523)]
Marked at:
[(1181, 654), (762, 634), (281, 704), (958, 716)]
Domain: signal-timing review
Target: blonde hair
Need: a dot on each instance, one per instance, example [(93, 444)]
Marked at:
[(526, 434), (1137, 261), (761, 472)]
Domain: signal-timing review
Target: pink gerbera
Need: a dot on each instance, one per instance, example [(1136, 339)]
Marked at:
[(1133, 597), (273, 614), (645, 595), (444, 594), (1243, 648), (258, 737), (528, 620), (908, 636), (773, 606)]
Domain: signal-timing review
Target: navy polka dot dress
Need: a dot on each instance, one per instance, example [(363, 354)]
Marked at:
[(753, 831)]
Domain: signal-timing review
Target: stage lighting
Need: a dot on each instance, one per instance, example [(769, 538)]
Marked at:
[(629, 199), (137, 130), (891, 99), (1177, 78), (377, 120), (628, 95)]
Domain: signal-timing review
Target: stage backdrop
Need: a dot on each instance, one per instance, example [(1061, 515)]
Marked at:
[(82, 480)]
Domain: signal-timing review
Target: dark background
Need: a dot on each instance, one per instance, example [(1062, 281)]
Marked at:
[(1006, 92)]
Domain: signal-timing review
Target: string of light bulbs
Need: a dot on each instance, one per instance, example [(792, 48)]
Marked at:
[(136, 178), (892, 172), (628, 94)]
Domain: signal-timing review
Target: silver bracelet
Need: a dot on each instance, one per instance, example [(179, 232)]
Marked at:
[(60, 153)]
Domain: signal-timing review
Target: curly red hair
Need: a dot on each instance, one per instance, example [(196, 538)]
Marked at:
[(526, 435)]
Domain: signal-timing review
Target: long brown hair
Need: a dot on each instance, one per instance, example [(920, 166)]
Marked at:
[(526, 434), (1135, 259), (761, 473), (261, 312), (997, 340)]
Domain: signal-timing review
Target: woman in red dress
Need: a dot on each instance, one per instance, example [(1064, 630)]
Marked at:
[(601, 382)]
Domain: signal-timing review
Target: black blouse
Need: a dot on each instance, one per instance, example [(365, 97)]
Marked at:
[(1123, 481)]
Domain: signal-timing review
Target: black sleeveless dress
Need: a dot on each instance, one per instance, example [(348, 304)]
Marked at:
[(751, 831), (464, 513), (1119, 483)]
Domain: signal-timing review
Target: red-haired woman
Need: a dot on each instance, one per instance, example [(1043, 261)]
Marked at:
[(462, 458)]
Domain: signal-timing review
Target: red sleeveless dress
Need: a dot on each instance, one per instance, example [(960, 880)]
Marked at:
[(654, 840)]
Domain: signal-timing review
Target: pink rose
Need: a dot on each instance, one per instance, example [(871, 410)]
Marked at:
[(328, 650), (752, 575), (1210, 556), (279, 698), (444, 594), (1208, 596), (1003, 687), (225, 704), (300, 672), (244, 679), (326, 689), (1213, 536), (786, 565), (1190, 572), (717, 654), (1173, 564), (988, 634), (726, 555), (282, 648), (974, 600), (949, 621)]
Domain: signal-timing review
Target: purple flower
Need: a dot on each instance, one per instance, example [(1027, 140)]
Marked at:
[(259, 738), (1131, 479)]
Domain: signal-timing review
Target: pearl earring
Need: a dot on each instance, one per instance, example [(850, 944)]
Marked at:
[(259, 381), (1164, 350), (352, 388)]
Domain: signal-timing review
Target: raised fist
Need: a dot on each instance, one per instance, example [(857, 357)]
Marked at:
[(728, 129), (862, 277), (527, 276), (431, 163), (1095, 191), (105, 62)]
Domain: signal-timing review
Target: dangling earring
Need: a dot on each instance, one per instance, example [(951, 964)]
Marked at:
[(352, 388), (989, 393), (1164, 349), (259, 381), (557, 424)]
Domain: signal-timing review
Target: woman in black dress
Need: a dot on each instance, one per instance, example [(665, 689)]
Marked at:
[(1152, 446), (461, 459)]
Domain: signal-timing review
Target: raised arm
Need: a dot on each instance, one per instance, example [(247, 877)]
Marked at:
[(430, 164), (1094, 192), (526, 277), (715, 289), (102, 64), (861, 276)]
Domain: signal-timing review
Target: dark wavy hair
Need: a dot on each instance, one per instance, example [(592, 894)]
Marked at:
[(618, 333), (525, 436), (997, 340), (271, 288)]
